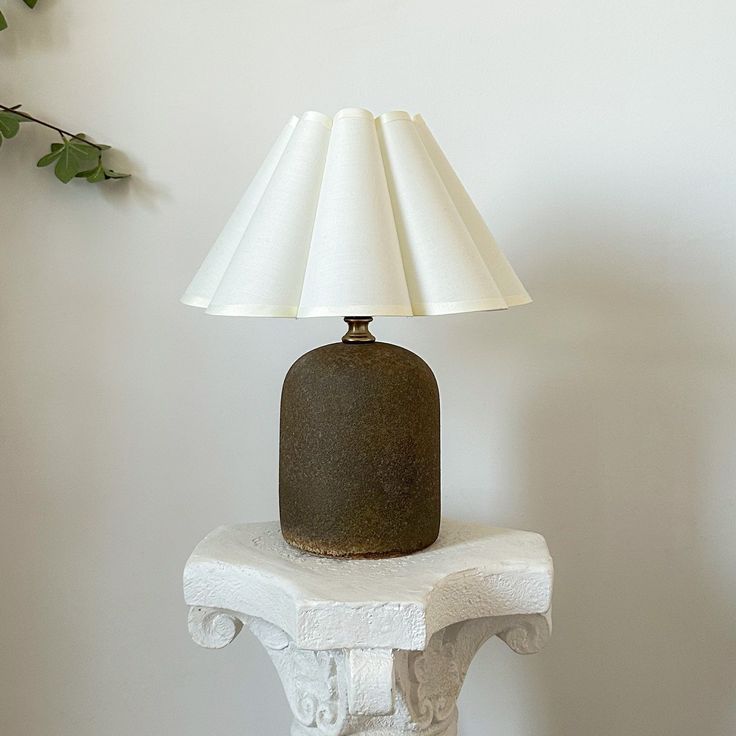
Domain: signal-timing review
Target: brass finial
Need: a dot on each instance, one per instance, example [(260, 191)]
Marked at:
[(358, 330)]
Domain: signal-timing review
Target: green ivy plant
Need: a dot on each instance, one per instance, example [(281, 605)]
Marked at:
[(76, 156), (4, 23)]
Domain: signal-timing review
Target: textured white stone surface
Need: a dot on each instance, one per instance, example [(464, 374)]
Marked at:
[(398, 603), (372, 647)]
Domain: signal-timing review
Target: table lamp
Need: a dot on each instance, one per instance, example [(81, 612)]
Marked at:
[(357, 217)]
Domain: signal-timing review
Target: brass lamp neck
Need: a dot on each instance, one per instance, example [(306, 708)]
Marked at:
[(358, 330)]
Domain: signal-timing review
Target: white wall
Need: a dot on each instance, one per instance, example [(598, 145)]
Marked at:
[(597, 138)]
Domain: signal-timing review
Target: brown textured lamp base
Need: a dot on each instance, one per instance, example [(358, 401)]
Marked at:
[(359, 463)]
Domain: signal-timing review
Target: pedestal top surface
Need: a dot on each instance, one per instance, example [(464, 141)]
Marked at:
[(322, 603)]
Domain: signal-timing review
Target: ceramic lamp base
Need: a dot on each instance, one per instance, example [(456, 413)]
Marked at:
[(359, 463)]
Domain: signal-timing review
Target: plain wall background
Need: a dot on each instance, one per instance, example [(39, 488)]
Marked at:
[(597, 138)]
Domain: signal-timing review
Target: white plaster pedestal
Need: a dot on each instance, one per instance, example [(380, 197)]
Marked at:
[(372, 647)]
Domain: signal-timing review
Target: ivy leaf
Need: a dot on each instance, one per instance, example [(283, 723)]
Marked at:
[(71, 157), (10, 123), (74, 156), (97, 175), (93, 175), (3, 22), (19, 116), (110, 174), (100, 146), (101, 173), (49, 158), (30, 3)]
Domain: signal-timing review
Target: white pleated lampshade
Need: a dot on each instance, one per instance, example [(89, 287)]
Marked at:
[(355, 215)]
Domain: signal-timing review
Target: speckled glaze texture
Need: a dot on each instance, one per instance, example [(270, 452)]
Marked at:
[(359, 462)]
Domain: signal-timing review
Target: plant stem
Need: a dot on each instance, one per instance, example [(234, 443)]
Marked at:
[(60, 131)]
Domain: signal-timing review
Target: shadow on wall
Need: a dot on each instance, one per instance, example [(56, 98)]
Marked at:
[(618, 466)]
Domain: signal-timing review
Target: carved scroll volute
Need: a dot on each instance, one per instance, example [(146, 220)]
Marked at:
[(431, 680), (213, 628), (527, 634)]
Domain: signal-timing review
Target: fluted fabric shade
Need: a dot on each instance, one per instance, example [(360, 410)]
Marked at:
[(355, 215)]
